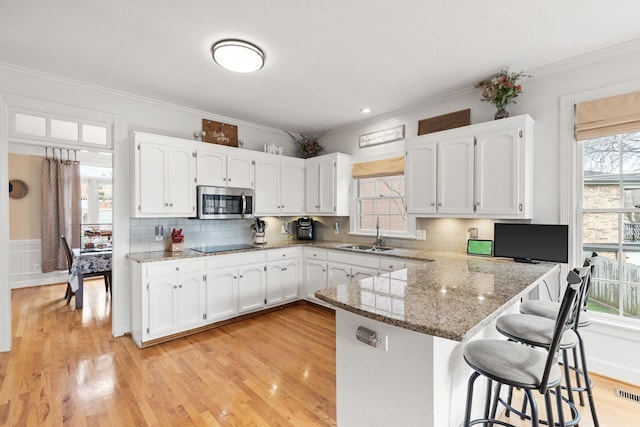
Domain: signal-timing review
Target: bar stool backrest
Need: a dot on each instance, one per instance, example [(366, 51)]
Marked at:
[(573, 286)]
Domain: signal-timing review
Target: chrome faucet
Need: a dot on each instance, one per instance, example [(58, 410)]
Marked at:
[(379, 236)]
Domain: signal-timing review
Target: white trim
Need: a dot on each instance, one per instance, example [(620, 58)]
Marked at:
[(120, 318), (5, 288)]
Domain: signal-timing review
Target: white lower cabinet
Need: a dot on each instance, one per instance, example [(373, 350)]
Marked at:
[(315, 272), (283, 276), (345, 268), (222, 293), (174, 298)]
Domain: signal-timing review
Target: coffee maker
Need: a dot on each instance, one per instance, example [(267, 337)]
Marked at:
[(304, 228)]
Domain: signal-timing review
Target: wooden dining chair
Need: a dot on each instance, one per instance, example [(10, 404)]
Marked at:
[(69, 292)]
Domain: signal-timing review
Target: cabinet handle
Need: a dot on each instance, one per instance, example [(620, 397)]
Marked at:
[(520, 207), (284, 269)]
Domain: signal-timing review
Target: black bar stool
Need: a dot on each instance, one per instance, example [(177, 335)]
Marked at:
[(549, 310), (516, 365)]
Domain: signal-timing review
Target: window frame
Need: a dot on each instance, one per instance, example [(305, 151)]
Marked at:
[(354, 219), (571, 182)]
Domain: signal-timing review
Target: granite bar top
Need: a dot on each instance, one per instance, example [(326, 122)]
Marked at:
[(452, 297)]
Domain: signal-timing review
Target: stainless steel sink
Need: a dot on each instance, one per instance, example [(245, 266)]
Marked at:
[(365, 248)]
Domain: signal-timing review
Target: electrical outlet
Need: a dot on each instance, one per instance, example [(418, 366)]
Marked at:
[(382, 342), (336, 228)]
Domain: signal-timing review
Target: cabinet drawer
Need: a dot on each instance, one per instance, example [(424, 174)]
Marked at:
[(165, 268), (279, 254), (243, 258), (343, 257), (315, 254)]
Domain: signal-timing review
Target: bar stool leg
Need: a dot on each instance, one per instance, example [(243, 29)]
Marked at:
[(567, 375), (467, 410), (578, 374), (587, 381), (534, 408)]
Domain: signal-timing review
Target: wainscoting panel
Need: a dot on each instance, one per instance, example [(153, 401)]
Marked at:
[(25, 267)]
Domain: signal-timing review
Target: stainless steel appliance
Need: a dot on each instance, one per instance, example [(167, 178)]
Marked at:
[(304, 228), (224, 202)]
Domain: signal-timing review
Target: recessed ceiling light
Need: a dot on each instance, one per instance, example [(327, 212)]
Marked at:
[(238, 56), (365, 110)]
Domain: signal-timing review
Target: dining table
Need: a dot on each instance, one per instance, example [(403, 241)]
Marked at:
[(87, 264)]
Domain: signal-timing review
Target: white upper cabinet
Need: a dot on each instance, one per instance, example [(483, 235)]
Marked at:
[(455, 176), (164, 176), (220, 166), (477, 170), (279, 188), (327, 184)]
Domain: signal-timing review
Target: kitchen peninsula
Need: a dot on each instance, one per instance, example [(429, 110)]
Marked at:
[(422, 316)]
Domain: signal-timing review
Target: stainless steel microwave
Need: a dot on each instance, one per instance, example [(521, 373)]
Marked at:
[(224, 202)]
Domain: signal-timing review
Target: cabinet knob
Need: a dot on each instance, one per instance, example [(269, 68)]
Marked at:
[(433, 204), (229, 179), (440, 204), (315, 255), (284, 269), (171, 204), (224, 179), (241, 276), (180, 286), (284, 255), (477, 203), (175, 287), (177, 268), (166, 204)]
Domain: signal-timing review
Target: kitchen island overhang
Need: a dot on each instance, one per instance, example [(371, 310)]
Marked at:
[(424, 314)]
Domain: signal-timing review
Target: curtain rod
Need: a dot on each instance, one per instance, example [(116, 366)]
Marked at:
[(53, 154)]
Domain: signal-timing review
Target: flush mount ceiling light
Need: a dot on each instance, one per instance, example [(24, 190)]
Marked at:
[(238, 56)]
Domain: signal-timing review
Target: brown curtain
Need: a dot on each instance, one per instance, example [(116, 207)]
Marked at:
[(61, 210), (608, 116), (385, 167)]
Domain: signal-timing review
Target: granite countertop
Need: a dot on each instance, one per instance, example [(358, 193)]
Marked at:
[(142, 257), (452, 297)]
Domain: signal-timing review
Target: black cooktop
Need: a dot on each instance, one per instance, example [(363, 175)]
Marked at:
[(221, 248)]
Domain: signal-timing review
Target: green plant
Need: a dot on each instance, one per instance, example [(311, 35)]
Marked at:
[(503, 88)]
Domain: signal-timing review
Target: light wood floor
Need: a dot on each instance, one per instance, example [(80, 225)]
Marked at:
[(278, 369)]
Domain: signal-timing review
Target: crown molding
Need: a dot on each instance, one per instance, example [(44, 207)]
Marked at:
[(133, 97)]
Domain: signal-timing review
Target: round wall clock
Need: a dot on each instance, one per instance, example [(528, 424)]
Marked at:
[(17, 189)]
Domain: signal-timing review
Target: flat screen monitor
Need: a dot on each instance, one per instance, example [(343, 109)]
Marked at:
[(531, 242)]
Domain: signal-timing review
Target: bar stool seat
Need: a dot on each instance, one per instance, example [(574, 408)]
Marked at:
[(549, 310), (533, 330)]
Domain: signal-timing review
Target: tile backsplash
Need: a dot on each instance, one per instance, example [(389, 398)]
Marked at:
[(442, 234)]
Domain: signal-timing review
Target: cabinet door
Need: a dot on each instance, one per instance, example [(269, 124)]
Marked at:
[(290, 280), (250, 288), (151, 166), (211, 168), (240, 171), (190, 300), (327, 187), (312, 187), (162, 314), (291, 188), (455, 176), (267, 187), (315, 277), (222, 293), (339, 274), (274, 283), (181, 181), (359, 273), (420, 178), (498, 178)]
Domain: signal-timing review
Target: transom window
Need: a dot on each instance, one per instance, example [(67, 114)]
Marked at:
[(609, 221)]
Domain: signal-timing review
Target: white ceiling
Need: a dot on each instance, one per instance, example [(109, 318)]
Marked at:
[(325, 60)]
